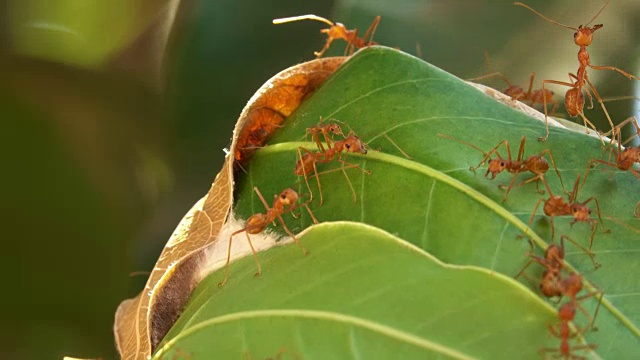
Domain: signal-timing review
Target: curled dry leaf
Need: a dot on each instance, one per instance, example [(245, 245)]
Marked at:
[(275, 101), (142, 322)]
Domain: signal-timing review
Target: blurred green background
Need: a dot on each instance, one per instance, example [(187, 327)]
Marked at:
[(115, 115)]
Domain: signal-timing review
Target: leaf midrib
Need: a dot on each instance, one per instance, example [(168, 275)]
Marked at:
[(284, 147), (319, 315)]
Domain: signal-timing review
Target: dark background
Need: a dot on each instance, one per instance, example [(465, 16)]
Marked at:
[(107, 140)]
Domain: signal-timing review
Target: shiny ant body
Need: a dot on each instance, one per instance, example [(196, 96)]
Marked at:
[(283, 203), (308, 162), (555, 205), (338, 31), (536, 164), (574, 99)]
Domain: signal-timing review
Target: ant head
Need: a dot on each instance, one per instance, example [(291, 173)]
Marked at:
[(353, 144), (567, 312), (288, 197), (495, 167), (336, 31), (584, 35), (335, 129), (580, 212)]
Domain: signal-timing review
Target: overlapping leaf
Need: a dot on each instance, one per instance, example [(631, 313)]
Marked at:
[(360, 293), (434, 201)]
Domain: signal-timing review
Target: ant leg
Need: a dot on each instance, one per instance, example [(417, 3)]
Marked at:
[(313, 217), (613, 68), (524, 269), (353, 191), (528, 94), (636, 210), (631, 120), (305, 173), (226, 266), (371, 31), (255, 256), (586, 251), (535, 208), (585, 312), (319, 54), (489, 76), (553, 162), (537, 179), (598, 209), (588, 124), (513, 180), (305, 204), (591, 163), (604, 108), (255, 188), (544, 105), (574, 192), (487, 155), (397, 146), (494, 150), (634, 122), (286, 229)]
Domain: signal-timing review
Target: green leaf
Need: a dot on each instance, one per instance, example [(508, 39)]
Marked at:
[(435, 202), (359, 293)]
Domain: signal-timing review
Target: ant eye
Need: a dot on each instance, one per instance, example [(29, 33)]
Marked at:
[(575, 34), (502, 163), (283, 196), (347, 146), (589, 211)]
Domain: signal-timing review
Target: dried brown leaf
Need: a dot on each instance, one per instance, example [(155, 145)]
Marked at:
[(141, 322)]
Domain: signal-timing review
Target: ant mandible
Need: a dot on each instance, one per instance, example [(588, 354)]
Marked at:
[(555, 205), (308, 162), (283, 203), (574, 100), (338, 31)]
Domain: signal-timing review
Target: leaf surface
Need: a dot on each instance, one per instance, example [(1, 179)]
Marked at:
[(362, 293), (434, 201)]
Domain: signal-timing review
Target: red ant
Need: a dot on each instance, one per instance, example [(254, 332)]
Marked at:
[(535, 164), (562, 330), (553, 284), (532, 97), (556, 206), (283, 203), (574, 100), (338, 31), (554, 256), (624, 159), (308, 161), (324, 129)]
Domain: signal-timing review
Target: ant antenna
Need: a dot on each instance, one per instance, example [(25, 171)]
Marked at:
[(302, 17), (598, 13), (546, 18)]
